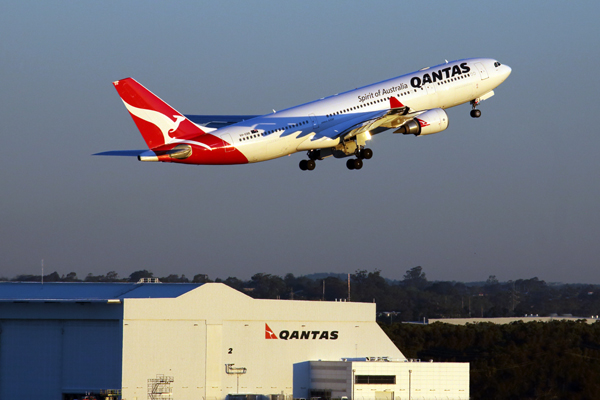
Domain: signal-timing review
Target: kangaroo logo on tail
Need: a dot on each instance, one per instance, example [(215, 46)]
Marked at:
[(164, 123), (149, 112)]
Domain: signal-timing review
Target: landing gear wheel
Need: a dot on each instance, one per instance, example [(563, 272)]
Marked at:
[(475, 113), (307, 165), (350, 163), (366, 154), (357, 163)]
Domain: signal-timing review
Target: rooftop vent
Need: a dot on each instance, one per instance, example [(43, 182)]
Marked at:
[(148, 280)]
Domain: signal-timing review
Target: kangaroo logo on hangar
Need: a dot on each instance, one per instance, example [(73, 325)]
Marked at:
[(287, 335), (269, 334)]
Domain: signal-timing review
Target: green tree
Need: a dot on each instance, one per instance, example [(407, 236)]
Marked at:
[(534, 360), (234, 283), (112, 276), (71, 277), (137, 275), (267, 286), (415, 277), (200, 278)]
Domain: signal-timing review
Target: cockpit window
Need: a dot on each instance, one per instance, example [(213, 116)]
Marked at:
[(497, 64)]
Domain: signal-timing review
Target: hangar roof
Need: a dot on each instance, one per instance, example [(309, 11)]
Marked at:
[(89, 292)]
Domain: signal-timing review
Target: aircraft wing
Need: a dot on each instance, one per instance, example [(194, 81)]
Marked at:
[(390, 119), (373, 122), (218, 121)]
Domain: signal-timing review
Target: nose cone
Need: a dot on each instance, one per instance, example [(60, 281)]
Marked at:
[(505, 71)]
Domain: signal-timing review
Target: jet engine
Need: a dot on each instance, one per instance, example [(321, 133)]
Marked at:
[(432, 121)]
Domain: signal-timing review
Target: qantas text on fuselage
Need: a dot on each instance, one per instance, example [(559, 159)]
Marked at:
[(337, 126)]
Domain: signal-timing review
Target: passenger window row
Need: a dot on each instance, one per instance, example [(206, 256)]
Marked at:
[(453, 79), (406, 93)]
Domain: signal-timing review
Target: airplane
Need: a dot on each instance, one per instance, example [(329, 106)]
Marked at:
[(338, 125)]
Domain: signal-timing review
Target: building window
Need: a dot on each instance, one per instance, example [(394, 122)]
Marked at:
[(375, 379)]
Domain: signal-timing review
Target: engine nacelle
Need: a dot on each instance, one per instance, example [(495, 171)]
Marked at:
[(432, 121)]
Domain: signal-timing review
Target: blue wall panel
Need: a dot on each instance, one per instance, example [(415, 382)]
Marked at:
[(42, 359), (30, 360), (92, 355)]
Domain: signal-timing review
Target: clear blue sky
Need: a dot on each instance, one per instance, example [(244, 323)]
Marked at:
[(514, 194)]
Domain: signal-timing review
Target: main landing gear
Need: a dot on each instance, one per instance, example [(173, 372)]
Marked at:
[(357, 163), (310, 164), (307, 165), (352, 163), (475, 113)]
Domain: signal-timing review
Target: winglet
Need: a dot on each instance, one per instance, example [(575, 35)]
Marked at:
[(157, 121)]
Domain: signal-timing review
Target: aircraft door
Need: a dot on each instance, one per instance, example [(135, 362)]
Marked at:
[(482, 71), (314, 120), (227, 142), (430, 87)]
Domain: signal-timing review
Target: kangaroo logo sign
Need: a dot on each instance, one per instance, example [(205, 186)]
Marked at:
[(301, 335), (269, 333)]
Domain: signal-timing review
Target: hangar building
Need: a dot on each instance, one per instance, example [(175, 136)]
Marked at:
[(61, 341)]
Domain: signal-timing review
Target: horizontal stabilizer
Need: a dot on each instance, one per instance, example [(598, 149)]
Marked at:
[(122, 153)]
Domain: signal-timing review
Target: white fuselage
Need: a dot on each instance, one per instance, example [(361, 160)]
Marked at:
[(317, 124)]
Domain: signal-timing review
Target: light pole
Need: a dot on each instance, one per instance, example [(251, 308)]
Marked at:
[(409, 383), (353, 372)]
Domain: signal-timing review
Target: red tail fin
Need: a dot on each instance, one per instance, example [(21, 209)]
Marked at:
[(157, 121)]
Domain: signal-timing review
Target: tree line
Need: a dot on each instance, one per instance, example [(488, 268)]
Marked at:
[(414, 298), (533, 360)]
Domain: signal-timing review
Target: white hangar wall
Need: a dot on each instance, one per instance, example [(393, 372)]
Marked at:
[(193, 337), (59, 341)]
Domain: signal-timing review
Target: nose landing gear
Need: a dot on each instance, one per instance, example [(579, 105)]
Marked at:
[(475, 113)]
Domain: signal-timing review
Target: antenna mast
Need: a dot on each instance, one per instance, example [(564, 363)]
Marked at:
[(348, 287)]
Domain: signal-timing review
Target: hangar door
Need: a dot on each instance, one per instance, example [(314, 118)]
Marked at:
[(50, 359)]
